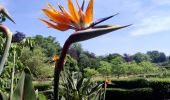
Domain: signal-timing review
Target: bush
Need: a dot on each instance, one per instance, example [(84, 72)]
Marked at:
[(129, 83), (89, 72), (160, 87), (152, 89), (42, 86), (129, 94), (41, 96), (36, 61)]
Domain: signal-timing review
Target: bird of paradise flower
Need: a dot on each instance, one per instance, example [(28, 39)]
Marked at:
[(83, 24)]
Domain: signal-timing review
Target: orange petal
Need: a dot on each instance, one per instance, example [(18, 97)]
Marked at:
[(58, 27), (55, 58), (66, 13), (89, 12), (73, 11), (56, 17), (81, 14), (52, 8)]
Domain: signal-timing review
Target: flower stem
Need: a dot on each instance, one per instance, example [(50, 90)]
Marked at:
[(12, 76), (59, 67), (8, 35)]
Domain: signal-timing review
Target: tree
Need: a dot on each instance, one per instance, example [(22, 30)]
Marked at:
[(71, 64), (148, 67), (89, 72), (85, 61), (90, 54), (127, 57), (75, 50), (117, 60), (36, 61), (133, 68), (112, 56), (49, 44), (140, 57), (118, 66), (105, 68), (156, 56)]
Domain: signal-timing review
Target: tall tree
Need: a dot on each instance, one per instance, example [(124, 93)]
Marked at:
[(75, 50), (139, 57), (71, 64), (156, 56), (51, 46), (105, 68), (118, 66), (112, 56), (127, 57)]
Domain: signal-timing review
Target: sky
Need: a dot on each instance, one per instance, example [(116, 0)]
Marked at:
[(150, 19)]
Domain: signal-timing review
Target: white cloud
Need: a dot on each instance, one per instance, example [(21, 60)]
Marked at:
[(161, 2), (153, 24)]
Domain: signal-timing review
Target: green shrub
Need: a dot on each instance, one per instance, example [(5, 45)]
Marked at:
[(41, 96), (42, 85), (36, 61), (129, 94), (133, 88), (129, 83), (89, 72), (160, 87)]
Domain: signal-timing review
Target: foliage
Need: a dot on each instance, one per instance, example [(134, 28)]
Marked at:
[(152, 64), (49, 44), (41, 96), (75, 50), (110, 57), (89, 72), (139, 57), (156, 56), (130, 83), (105, 68), (3, 96), (71, 64), (127, 57), (118, 67), (83, 62), (79, 88), (36, 61), (148, 67), (131, 94), (24, 89), (42, 85), (152, 88), (133, 68)]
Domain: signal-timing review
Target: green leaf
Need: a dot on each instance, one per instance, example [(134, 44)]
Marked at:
[(3, 96), (79, 83), (24, 89)]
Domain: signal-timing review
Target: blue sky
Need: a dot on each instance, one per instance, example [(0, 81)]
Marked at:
[(150, 29)]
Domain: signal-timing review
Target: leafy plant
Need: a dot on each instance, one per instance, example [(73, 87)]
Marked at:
[(24, 89), (79, 88)]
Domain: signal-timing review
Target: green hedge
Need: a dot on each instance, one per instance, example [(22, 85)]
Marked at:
[(42, 85), (155, 89), (129, 89), (130, 84), (161, 88), (129, 94)]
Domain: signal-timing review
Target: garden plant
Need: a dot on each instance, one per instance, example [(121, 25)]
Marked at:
[(84, 29)]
